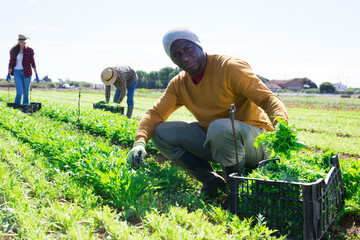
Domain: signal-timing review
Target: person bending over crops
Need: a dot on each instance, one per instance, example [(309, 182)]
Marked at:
[(207, 86), (123, 78), (21, 61)]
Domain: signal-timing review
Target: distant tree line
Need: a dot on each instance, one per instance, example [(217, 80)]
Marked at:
[(156, 79)]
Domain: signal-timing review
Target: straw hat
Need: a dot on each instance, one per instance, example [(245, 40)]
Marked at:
[(22, 37), (108, 76)]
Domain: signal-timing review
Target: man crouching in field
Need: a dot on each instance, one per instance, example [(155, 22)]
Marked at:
[(207, 86)]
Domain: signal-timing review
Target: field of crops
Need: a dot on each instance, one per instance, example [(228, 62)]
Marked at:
[(64, 173)]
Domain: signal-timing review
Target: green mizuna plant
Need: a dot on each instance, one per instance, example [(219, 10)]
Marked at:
[(28, 196), (301, 167), (294, 165), (283, 141), (90, 161), (93, 163), (117, 128)]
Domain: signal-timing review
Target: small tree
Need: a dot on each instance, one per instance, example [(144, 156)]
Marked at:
[(164, 73), (327, 87), (264, 80), (153, 75), (308, 83), (174, 73), (159, 84), (46, 79)]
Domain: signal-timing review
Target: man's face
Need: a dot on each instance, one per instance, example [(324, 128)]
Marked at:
[(188, 56)]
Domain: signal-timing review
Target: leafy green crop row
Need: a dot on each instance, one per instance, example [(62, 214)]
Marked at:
[(321, 102), (114, 126), (38, 201), (335, 126), (350, 168), (342, 123), (331, 142), (97, 164), (102, 122), (92, 162)]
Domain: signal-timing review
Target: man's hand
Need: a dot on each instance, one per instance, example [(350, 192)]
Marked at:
[(37, 78), (136, 154), (8, 77)]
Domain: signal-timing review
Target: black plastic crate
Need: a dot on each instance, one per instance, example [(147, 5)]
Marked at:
[(28, 108), (298, 210), (36, 106), (14, 105), (32, 107), (110, 108)]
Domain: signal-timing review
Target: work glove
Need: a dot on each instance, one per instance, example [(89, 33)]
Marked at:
[(37, 78), (8, 77), (136, 154)]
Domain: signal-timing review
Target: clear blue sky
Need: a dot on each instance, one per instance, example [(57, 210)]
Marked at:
[(280, 39)]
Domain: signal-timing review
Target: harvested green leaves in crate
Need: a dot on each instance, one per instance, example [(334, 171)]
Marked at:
[(283, 141), (299, 193)]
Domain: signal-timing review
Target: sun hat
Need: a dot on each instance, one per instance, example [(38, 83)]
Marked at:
[(179, 32), (22, 37), (108, 76)]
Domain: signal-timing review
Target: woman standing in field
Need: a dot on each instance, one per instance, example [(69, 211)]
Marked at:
[(21, 61)]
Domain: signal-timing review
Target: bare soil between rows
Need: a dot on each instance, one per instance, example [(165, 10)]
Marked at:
[(349, 225)]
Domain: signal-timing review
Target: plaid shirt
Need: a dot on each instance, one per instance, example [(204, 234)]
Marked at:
[(28, 62), (126, 76)]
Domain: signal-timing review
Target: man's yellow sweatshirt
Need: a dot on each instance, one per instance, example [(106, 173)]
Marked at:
[(226, 80)]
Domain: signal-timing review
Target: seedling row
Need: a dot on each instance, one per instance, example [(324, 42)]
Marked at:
[(98, 165), (117, 129)]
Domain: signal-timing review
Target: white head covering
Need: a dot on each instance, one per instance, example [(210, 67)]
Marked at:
[(179, 32)]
